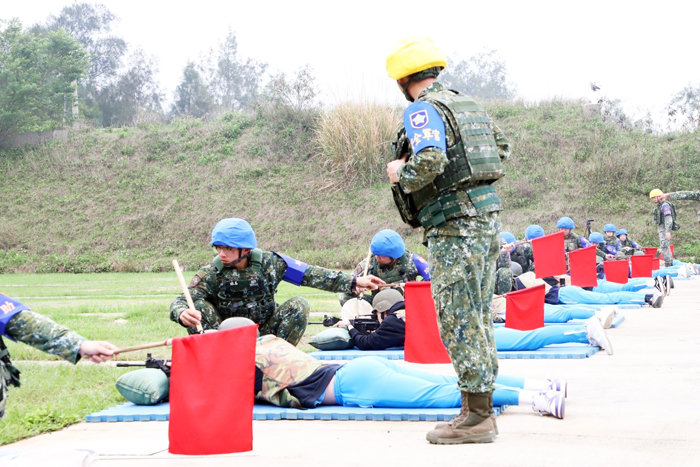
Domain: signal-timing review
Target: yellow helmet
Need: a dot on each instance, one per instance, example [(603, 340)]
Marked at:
[(655, 192), (413, 54)]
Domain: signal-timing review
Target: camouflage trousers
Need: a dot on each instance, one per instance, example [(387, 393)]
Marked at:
[(288, 321), (504, 281), (665, 248), (463, 273)]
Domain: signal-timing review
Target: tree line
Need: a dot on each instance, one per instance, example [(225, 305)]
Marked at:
[(43, 67)]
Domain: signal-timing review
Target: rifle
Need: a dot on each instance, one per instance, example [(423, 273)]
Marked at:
[(150, 362), (366, 324), (588, 227)]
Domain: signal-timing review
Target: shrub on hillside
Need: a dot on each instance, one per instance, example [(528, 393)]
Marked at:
[(355, 139)]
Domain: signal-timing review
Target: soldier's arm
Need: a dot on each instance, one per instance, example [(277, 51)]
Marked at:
[(421, 169), (668, 217), (684, 195), (200, 287), (45, 334)]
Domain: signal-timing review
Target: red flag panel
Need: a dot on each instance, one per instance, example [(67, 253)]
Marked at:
[(211, 392), (525, 308), (549, 254), (617, 271), (423, 343), (650, 251), (641, 265), (583, 268), (655, 264)]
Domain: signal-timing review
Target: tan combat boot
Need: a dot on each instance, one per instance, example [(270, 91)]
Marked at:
[(473, 424), (493, 417)]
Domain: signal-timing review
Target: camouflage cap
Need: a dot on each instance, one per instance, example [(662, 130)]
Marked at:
[(385, 299)]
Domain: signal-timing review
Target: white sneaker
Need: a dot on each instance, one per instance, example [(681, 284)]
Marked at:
[(657, 300), (650, 283), (596, 335), (559, 385), (683, 272), (550, 403), (659, 285), (606, 315), (668, 285)]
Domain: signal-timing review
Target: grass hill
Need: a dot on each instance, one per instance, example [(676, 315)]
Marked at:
[(131, 199)]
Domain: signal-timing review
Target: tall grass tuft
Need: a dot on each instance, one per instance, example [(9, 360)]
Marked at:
[(355, 139)]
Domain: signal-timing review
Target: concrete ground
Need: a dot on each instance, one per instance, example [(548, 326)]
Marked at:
[(635, 408)]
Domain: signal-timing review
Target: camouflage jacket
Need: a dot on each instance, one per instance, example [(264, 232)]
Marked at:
[(574, 242), (422, 168), (685, 196), (663, 217), (611, 245), (627, 244), (524, 257), (282, 365), (211, 283), (504, 259), (45, 334)]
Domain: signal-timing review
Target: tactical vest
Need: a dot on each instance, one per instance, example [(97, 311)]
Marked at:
[(518, 256), (282, 365), (571, 242), (473, 164), (659, 217), (9, 375), (245, 292), (397, 273)]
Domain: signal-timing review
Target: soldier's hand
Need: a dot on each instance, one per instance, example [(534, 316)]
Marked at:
[(507, 247), (97, 351), (392, 168), (341, 324), (668, 235), (366, 283), (665, 195), (191, 318)]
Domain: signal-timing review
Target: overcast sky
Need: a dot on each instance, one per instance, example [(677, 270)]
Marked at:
[(639, 52)]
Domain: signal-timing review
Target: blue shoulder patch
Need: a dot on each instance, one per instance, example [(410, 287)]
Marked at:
[(584, 243), (422, 266), (8, 309), (424, 127), (295, 269), (666, 210)]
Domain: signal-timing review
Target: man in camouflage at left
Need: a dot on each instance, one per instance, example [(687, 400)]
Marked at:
[(242, 281), (18, 323), (683, 196)]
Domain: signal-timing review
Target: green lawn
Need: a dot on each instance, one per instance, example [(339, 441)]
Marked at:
[(125, 309)]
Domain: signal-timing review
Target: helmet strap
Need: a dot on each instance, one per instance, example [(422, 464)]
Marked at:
[(420, 76), (240, 258)]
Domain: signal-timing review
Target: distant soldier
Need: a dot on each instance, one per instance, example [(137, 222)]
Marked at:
[(664, 216), (610, 246), (683, 196), (626, 247), (391, 262), (504, 265), (18, 323), (522, 254), (242, 281), (572, 241)]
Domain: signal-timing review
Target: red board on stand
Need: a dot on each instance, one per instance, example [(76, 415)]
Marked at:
[(549, 254), (617, 271), (583, 267), (211, 392), (525, 308), (641, 265), (423, 343)]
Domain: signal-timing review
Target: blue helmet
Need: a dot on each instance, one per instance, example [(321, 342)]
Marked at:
[(534, 231), (234, 233), (609, 228), (387, 243), (620, 232), (566, 223), (509, 238), (596, 237)]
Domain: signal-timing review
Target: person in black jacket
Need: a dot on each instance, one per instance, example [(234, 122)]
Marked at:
[(390, 307)]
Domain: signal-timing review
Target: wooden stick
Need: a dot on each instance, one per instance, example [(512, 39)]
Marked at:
[(165, 343), (186, 291), (369, 257), (398, 284)]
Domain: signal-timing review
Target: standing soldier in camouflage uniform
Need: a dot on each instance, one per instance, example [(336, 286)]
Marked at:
[(391, 262), (242, 281), (18, 323), (664, 215), (683, 196), (448, 153)]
